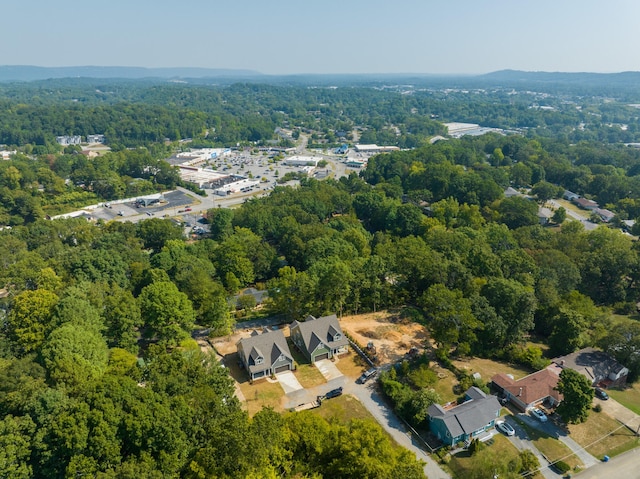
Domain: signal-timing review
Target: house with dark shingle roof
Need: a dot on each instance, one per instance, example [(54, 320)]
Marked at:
[(320, 338), (531, 390), (466, 421), (597, 366), (265, 354)]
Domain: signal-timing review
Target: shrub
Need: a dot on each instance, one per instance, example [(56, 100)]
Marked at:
[(476, 446), (597, 408), (562, 467)]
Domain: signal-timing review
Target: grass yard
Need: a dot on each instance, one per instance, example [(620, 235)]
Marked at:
[(342, 409), (550, 447), (602, 435), (261, 394), (629, 397), (444, 386), (484, 463), (307, 374)]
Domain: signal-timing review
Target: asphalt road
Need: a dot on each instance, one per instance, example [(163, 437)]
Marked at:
[(588, 225), (624, 466)]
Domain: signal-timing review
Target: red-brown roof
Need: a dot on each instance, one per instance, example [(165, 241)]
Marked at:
[(532, 388)]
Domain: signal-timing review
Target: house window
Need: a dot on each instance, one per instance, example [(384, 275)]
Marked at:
[(282, 357), (259, 360), (337, 337)]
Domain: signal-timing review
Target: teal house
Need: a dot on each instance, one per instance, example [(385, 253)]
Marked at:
[(467, 421)]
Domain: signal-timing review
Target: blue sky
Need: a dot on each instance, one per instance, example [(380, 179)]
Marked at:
[(328, 36)]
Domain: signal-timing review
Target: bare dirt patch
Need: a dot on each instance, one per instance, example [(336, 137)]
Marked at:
[(392, 336)]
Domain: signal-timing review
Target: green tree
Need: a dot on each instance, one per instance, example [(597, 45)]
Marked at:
[(166, 312), (74, 354), (449, 317), (122, 318), (421, 402), (514, 305), (292, 293), (15, 447), (220, 220), (623, 343), (559, 216), (29, 319), (568, 332), (577, 396), (544, 191), (155, 232), (517, 211)]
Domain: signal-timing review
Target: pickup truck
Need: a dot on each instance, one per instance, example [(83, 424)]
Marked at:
[(368, 374)]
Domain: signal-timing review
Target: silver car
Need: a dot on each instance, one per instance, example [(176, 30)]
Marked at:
[(505, 428)]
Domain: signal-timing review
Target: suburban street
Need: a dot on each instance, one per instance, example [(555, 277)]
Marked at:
[(588, 225), (624, 466), (521, 442)]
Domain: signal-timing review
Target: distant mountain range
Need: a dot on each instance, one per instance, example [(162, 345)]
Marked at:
[(584, 82), (514, 76)]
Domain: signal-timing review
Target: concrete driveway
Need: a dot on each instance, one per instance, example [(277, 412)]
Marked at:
[(522, 442), (617, 411), (554, 431), (328, 369), (289, 382)]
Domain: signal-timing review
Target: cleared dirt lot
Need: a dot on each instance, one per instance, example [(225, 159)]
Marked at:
[(392, 336)]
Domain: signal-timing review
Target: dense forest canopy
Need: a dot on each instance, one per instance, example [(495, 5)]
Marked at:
[(100, 376)]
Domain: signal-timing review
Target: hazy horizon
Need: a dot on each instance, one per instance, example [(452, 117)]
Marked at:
[(357, 37)]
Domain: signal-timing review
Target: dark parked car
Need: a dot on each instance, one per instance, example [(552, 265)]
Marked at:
[(601, 393), (334, 393), (367, 375)]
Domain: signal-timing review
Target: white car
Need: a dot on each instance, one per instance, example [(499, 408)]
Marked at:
[(505, 428), (539, 415)]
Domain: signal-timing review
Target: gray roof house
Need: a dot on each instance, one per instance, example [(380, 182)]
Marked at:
[(265, 354), (570, 195), (597, 366), (320, 338), (466, 421)]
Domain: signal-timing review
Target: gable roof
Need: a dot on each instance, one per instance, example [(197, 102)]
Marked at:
[(469, 416), (321, 330), (269, 345), (585, 203), (532, 388), (596, 365)]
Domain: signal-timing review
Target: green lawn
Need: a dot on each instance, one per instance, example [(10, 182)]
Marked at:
[(629, 397), (496, 457), (553, 449)]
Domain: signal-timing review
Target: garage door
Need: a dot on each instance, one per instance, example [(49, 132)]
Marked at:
[(322, 356), (282, 368)]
